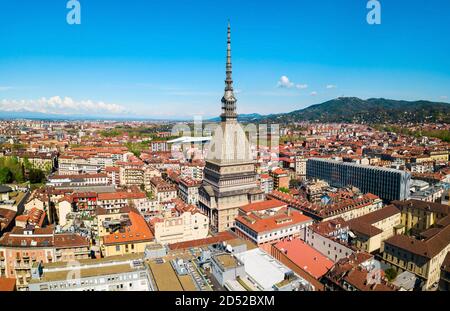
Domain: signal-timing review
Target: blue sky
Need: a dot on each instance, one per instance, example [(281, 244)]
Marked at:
[(166, 59)]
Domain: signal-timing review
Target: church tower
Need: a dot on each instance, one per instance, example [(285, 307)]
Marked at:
[(230, 179)]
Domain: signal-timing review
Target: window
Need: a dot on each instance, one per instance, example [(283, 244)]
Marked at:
[(117, 248)]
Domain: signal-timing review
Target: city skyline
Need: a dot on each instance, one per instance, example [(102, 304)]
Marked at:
[(131, 62)]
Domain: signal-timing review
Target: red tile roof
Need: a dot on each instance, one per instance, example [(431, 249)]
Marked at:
[(280, 219), (306, 257), (138, 231), (263, 205), (7, 284), (220, 237)]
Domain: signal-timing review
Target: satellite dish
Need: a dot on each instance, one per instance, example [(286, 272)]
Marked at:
[(229, 248)]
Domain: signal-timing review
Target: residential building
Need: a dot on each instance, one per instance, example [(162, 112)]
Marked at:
[(180, 222), (129, 238), (372, 229), (119, 273), (330, 238), (280, 178), (79, 180), (162, 190), (303, 259), (444, 279), (21, 248), (423, 257), (267, 222), (188, 190), (266, 183), (418, 216), (358, 272)]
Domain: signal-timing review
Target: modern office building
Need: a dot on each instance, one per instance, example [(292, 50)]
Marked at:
[(389, 184)]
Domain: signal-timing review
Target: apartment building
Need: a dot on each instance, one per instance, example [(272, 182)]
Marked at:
[(162, 190), (188, 190), (280, 178), (300, 166), (120, 199), (45, 161), (78, 180), (346, 208), (131, 173), (266, 183), (330, 238), (21, 248), (180, 222), (120, 273), (270, 221), (418, 216), (130, 237), (372, 229), (423, 257)]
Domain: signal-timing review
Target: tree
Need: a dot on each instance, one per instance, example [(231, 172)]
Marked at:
[(294, 183), (283, 189), (391, 274), (36, 176), (5, 175)]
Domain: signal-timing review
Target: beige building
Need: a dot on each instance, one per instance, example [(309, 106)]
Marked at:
[(149, 173), (129, 235), (423, 253), (162, 190), (418, 216), (180, 223), (21, 248), (188, 190), (422, 257), (373, 228), (131, 173)]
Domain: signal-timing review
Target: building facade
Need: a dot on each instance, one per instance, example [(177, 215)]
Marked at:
[(388, 184)]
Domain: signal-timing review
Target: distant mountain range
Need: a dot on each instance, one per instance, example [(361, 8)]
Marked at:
[(342, 109), (373, 110), (356, 110)]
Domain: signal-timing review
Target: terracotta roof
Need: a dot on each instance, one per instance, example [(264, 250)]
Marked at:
[(429, 206), (266, 223), (68, 240), (306, 257), (263, 205), (7, 284), (220, 237), (138, 231), (364, 224), (121, 195), (426, 248)]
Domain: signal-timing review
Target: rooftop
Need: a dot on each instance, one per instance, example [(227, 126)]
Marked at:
[(305, 256)]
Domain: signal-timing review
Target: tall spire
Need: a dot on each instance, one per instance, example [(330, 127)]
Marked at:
[(228, 99)]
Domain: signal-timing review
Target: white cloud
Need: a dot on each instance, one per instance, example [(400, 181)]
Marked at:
[(61, 105), (444, 97), (284, 82), (301, 86), (313, 93), (331, 86)]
